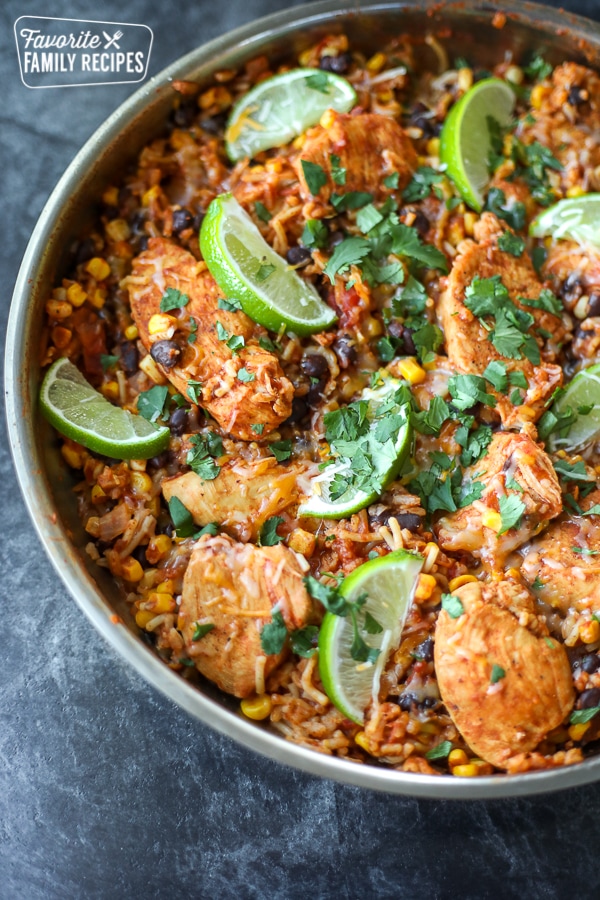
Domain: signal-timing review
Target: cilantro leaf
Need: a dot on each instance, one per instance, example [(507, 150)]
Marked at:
[(194, 389), (268, 533), (440, 751), (201, 630), (262, 212), (368, 217), (511, 512), (484, 296), (546, 301), (406, 241), (538, 258), (264, 271), (512, 212), (350, 200), (153, 403), (538, 69), (391, 181), (497, 674), (244, 375), (222, 333), (273, 635), (359, 649), (107, 361), (267, 344), (411, 300), (315, 234), (314, 175), (258, 429), (511, 243), (552, 422), (421, 183), (427, 339), (193, 330), (302, 641), (372, 626), (580, 716), (452, 605), (173, 299), (338, 173), (231, 304), (318, 81), (495, 373), (468, 390), (350, 252), (182, 518), (281, 450), (475, 444), (328, 595)]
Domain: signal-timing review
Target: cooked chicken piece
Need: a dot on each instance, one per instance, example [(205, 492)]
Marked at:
[(569, 576), (574, 269), (370, 147), (236, 405), (514, 468), (236, 588), (467, 341), (567, 122), (505, 683), (586, 343), (242, 496)]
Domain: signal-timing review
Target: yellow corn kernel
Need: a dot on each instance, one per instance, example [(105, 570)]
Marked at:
[(98, 298), (515, 74), (410, 369), (537, 95), (162, 603), (73, 456), (457, 758), (429, 728), (302, 541), (299, 142), (154, 506), (305, 57), (327, 119), (274, 165), (492, 519), (118, 230), (150, 195), (76, 294), (467, 771), (110, 390), (589, 632), (425, 587), (111, 196), (258, 707), (165, 587), (143, 617), (433, 146), (131, 332), (575, 191), (372, 327), (459, 581), (469, 223), (376, 63), (131, 569), (58, 309), (149, 367), (148, 579), (140, 483), (161, 322), (98, 494), (576, 732), (138, 465), (483, 767), (465, 79), (98, 268), (362, 740), (161, 544)]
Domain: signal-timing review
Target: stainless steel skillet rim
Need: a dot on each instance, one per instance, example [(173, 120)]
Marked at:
[(21, 362)]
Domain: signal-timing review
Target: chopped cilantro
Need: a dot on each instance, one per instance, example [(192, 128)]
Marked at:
[(338, 173), (511, 211), (263, 272), (411, 300), (496, 135), (244, 375), (282, 450), (495, 373), (468, 390), (420, 185), (350, 200), (372, 626), (231, 304), (538, 69), (533, 162), (268, 536), (193, 330), (580, 716), (368, 217), (107, 361), (314, 175), (222, 333), (430, 421), (201, 630), (452, 605), (328, 595), (350, 252), (513, 485), (205, 446), (267, 344), (593, 510), (212, 528), (546, 301), (315, 234), (497, 674), (407, 242), (511, 512), (182, 518), (391, 181), (517, 379), (173, 299), (194, 389), (549, 643), (427, 339), (584, 551), (153, 403), (511, 243), (571, 471), (262, 212), (516, 397), (273, 635), (538, 258), (386, 350), (453, 202), (258, 429), (318, 81), (552, 422), (538, 584), (440, 751), (475, 444), (302, 641)]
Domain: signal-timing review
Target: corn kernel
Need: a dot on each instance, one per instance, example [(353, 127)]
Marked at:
[(148, 579), (98, 298), (514, 74), (58, 309), (138, 465), (575, 191), (433, 146), (469, 223), (576, 732), (464, 79), (150, 195), (131, 569), (131, 332), (425, 587), (149, 368), (457, 758), (410, 369), (110, 390), (467, 771), (165, 587), (161, 322), (459, 581), (362, 740), (118, 230), (372, 327), (98, 494), (327, 119), (258, 707), (302, 541), (143, 617), (589, 632), (154, 506), (537, 95), (73, 456), (376, 63), (111, 196), (492, 519), (162, 603), (140, 483), (162, 543), (76, 294), (61, 336), (98, 268)]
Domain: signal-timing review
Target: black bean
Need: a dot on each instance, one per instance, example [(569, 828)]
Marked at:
[(409, 344), (182, 219), (409, 520), (138, 222), (590, 663), (315, 394), (314, 365), (424, 118), (299, 411), (143, 243), (297, 256), (214, 124), (594, 305), (336, 238), (165, 528), (406, 700), (425, 650), (421, 223), (198, 220), (572, 289), (337, 64), (140, 554), (178, 420), (158, 462), (129, 357), (184, 115), (344, 349), (85, 251), (575, 98), (589, 698), (166, 353), (396, 329)]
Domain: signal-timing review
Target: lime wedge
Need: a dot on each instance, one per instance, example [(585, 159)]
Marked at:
[(580, 394), (385, 453), (390, 584), (247, 268), (466, 142), (575, 219), (81, 413), (280, 108)]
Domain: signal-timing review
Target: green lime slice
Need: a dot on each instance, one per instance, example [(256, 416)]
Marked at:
[(280, 108), (575, 219), (386, 457), (81, 413), (390, 584), (582, 392), (466, 142), (247, 268)]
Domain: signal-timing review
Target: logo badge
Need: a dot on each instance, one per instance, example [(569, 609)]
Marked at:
[(79, 52)]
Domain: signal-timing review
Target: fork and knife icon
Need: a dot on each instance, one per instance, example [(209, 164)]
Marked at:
[(112, 41)]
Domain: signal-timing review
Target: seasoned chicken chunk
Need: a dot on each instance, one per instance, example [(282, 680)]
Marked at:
[(468, 343), (563, 562), (235, 588), (567, 122), (505, 683), (370, 147), (518, 471), (241, 498), (264, 399)]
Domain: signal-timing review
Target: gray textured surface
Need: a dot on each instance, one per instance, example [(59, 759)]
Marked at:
[(106, 789)]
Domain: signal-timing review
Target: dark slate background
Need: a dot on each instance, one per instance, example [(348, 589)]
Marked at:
[(108, 790)]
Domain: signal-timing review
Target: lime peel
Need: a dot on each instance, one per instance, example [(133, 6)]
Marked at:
[(583, 390)]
